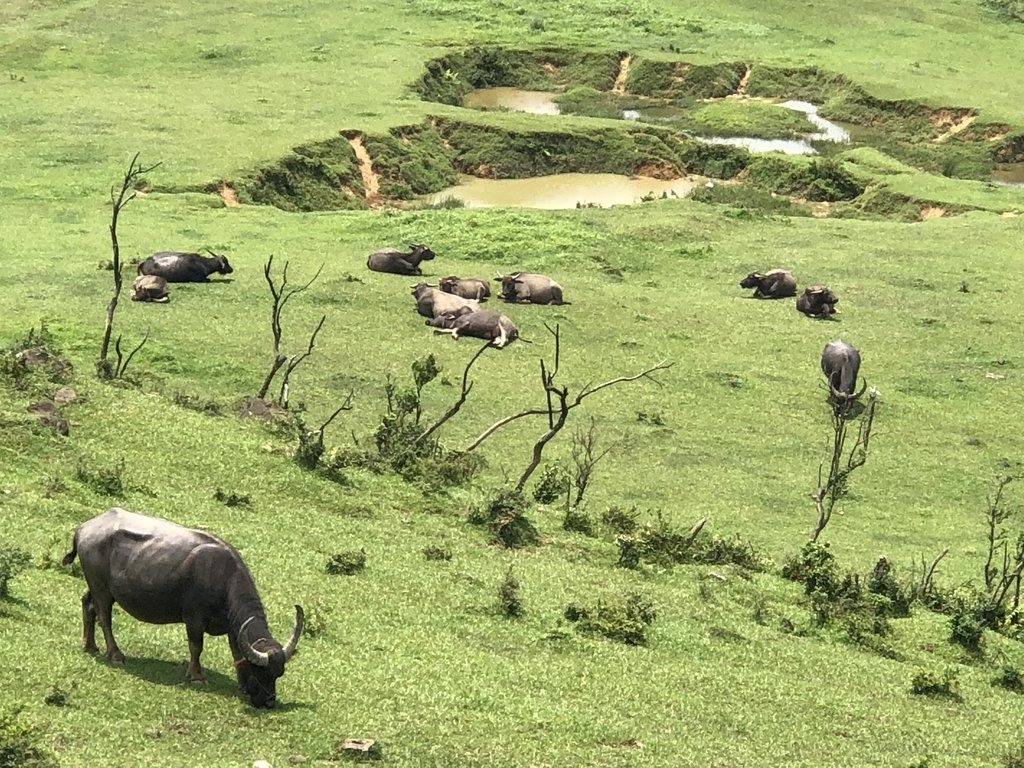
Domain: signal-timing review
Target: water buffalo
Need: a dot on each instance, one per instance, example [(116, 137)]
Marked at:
[(397, 262), (431, 301), (150, 288), (773, 284), (840, 363), (817, 301), (179, 267), (482, 324), (162, 573), (468, 287), (530, 288)]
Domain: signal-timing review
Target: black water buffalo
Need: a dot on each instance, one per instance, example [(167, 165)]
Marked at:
[(530, 288), (773, 284), (398, 262), (466, 287), (817, 301), (840, 363), (431, 301), (163, 573), (180, 267), (150, 288), (482, 324)]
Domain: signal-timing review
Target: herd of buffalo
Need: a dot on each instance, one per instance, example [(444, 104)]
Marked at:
[(162, 573)]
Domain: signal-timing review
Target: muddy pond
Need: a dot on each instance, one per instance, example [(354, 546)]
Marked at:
[(564, 190)]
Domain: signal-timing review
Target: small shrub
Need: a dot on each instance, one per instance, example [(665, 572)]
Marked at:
[(624, 620), (552, 485), (505, 517), (347, 563), (12, 562), (883, 582), (433, 552), (231, 499), (18, 743), (970, 612), (1010, 679), (620, 520), (105, 481), (1014, 758), (510, 598), (194, 403), (935, 683), (317, 617), (57, 697), (577, 521)]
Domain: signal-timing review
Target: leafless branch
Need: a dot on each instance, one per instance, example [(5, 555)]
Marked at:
[(131, 176), (294, 361), (120, 367), (467, 385)]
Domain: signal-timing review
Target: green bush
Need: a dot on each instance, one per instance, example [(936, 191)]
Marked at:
[(552, 484), (19, 746), (505, 517), (347, 563), (510, 598), (1010, 679), (624, 620), (12, 562), (931, 682)]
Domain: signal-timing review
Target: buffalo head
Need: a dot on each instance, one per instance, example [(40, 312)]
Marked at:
[(263, 661)]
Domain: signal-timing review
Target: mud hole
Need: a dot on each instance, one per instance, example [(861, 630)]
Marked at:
[(355, 170)]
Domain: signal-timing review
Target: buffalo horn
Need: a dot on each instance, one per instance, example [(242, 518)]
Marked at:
[(259, 658), (293, 641)]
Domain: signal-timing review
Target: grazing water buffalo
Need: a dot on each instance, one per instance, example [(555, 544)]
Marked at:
[(482, 324), (840, 363), (179, 267), (399, 263), (817, 301), (530, 288), (432, 301), (468, 287), (150, 288), (773, 284), (163, 573)]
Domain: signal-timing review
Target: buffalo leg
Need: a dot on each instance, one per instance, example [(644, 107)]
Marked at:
[(195, 648), (89, 624), (103, 607)]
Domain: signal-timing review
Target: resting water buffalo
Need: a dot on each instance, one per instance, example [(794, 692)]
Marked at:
[(467, 287), (150, 288), (432, 301), (482, 324), (179, 267), (773, 284), (163, 573), (530, 288), (399, 263), (840, 363), (817, 301)]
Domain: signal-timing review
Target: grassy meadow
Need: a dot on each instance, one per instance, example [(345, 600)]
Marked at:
[(736, 668)]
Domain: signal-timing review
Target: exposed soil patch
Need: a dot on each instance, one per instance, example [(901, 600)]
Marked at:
[(932, 212), (942, 118), (620, 79), (228, 195), (741, 89), (371, 183)]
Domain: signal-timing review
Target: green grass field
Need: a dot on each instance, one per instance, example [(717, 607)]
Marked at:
[(417, 653)]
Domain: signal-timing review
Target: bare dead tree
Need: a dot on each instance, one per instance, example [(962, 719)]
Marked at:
[(560, 404), (833, 486), (311, 441), (467, 386), (550, 391), (126, 194), (280, 294), (585, 456), (1005, 576)]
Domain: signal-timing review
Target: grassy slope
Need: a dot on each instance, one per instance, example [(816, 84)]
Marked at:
[(413, 654)]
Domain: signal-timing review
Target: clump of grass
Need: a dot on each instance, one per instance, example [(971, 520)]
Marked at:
[(624, 620), (433, 552), (105, 481), (13, 560), (505, 517), (510, 596), (57, 697), (232, 499), (195, 403), (1010, 679), (347, 563), (620, 520), (932, 682)]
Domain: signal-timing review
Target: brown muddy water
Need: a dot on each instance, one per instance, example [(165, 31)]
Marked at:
[(514, 99), (1010, 174), (563, 190)]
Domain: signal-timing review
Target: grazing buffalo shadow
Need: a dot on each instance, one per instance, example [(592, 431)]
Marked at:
[(163, 672)]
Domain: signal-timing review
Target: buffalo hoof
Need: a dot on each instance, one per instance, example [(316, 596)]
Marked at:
[(115, 657), (201, 681), (93, 649)]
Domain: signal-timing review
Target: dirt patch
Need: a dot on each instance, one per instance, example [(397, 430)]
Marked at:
[(741, 89), (228, 195), (956, 124), (664, 173), (619, 87), (932, 212), (371, 183)]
